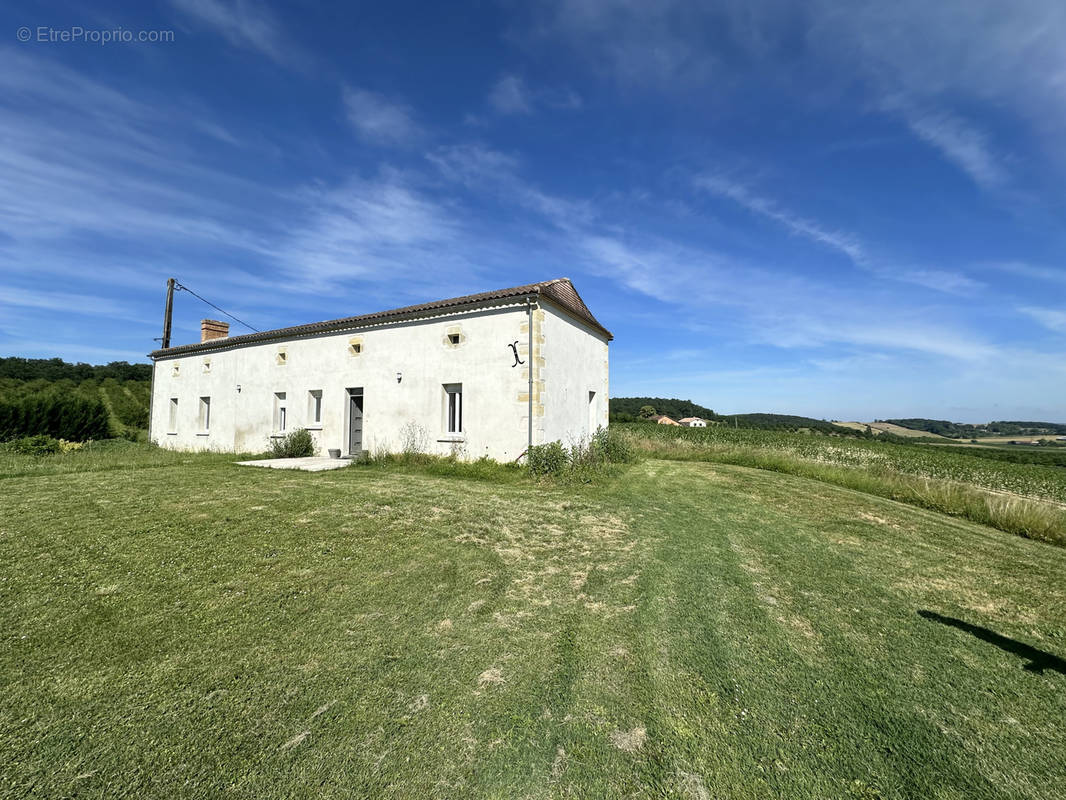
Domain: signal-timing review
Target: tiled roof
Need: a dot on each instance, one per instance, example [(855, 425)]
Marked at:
[(559, 291)]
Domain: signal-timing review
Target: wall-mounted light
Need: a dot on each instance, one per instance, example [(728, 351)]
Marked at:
[(399, 377), (238, 388)]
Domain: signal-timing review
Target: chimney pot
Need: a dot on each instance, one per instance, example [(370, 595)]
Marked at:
[(213, 329)]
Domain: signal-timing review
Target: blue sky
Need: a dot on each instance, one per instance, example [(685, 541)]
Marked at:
[(848, 210)]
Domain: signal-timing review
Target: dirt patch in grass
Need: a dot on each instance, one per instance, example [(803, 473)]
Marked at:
[(490, 677), (630, 741)]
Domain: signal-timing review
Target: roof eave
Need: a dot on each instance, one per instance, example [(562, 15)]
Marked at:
[(511, 297)]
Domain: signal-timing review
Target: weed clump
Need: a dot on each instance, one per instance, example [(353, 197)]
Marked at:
[(582, 460), (40, 445), (547, 459), (298, 444)]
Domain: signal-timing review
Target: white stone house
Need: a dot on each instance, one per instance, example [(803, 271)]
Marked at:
[(693, 422), (480, 375)]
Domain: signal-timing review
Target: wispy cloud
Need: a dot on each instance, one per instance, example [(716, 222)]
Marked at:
[(244, 24), (370, 230), (1008, 54), (1034, 271), (936, 58), (843, 243), (512, 95), (379, 120), (962, 144), (78, 157), (942, 281), (1053, 319), (657, 44), (777, 309), (509, 95), (847, 244), (66, 302), (72, 349)]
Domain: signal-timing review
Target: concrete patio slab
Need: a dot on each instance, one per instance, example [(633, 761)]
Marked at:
[(310, 464)]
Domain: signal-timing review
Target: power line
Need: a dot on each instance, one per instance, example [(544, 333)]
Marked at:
[(179, 287)]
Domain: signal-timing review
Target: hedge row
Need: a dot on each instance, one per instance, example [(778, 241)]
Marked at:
[(72, 417)]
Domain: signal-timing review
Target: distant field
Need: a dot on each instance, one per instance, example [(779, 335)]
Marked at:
[(1006, 439), (178, 626), (889, 428), (1028, 499)]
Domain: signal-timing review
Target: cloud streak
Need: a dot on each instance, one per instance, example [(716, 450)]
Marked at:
[(1054, 319), (242, 24), (843, 243), (379, 120), (509, 95), (512, 95), (961, 144)]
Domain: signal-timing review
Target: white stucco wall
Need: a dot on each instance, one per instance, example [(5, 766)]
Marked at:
[(573, 364), (494, 392)]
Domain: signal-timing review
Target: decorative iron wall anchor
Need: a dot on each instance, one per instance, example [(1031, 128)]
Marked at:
[(517, 360)]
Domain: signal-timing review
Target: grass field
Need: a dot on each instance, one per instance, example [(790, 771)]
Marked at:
[(1025, 499), (888, 427), (177, 626)]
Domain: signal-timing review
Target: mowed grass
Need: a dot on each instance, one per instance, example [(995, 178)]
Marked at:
[(198, 629)]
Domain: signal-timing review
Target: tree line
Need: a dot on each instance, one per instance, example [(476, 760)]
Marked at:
[(628, 409), (962, 430), (62, 416), (56, 369)]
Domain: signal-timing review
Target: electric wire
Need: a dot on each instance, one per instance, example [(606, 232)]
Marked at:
[(182, 288)]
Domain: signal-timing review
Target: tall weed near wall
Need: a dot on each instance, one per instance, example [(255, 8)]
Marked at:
[(583, 460)]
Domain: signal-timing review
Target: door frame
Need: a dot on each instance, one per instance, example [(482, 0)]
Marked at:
[(350, 395)]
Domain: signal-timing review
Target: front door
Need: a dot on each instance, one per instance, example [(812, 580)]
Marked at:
[(355, 422)]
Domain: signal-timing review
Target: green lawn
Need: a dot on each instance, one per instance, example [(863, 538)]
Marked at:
[(183, 627)]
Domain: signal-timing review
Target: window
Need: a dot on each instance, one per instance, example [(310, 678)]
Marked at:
[(593, 422), (453, 392), (172, 426), (453, 338), (314, 406), (279, 412), (205, 414), (207, 365), (282, 358), (177, 369)]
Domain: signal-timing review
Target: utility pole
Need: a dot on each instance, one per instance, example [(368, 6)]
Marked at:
[(167, 313), (529, 369)]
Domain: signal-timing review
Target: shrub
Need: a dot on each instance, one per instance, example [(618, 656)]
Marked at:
[(298, 444), (35, 446), (134, 434), (611, 446), (547, 459)]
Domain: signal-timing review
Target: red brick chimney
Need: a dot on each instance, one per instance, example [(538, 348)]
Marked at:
[(213, 329)]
